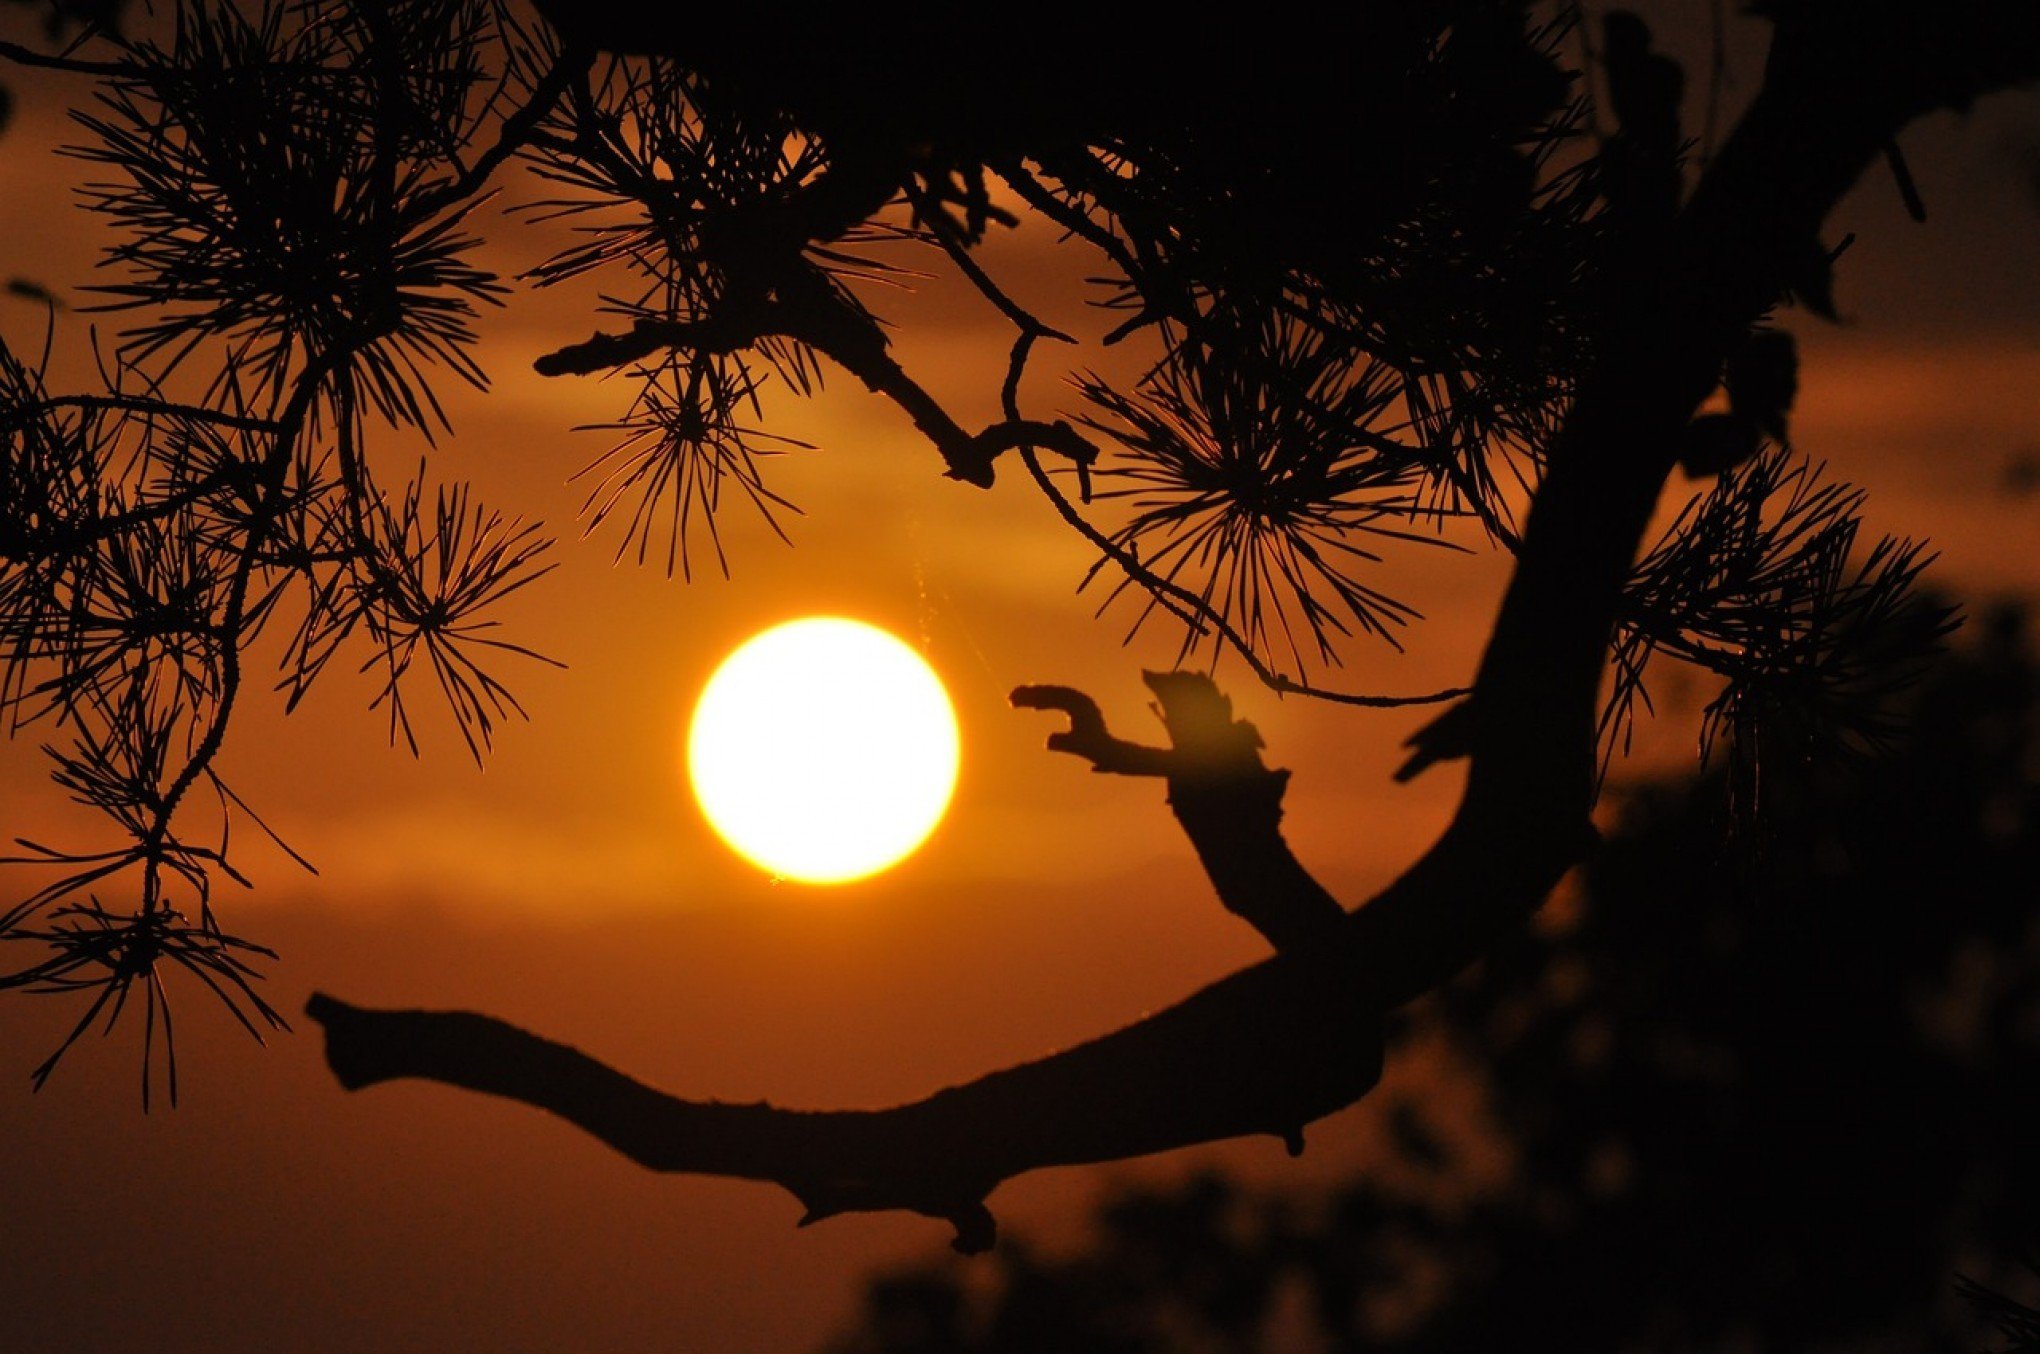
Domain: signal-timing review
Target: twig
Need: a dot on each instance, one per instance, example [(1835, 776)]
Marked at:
[(28, 56), (1199, 614), (22, 414), (572, 65), (959, 254)]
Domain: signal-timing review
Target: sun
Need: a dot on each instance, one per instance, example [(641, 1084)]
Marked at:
[(823, 750)]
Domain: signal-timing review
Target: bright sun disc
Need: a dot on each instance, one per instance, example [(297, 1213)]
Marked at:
[(823, 750)]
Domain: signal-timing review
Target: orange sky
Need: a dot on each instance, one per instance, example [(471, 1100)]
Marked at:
[(572, 888)]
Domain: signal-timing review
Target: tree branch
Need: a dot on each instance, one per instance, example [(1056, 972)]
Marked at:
[(805, 312), (1229, 804), (21, 415), (28, 56), (1297, 1035), (517, 129), (1264, 1051), (1087, 736), (599, 352)]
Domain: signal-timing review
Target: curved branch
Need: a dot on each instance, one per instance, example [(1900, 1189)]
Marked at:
[(1228, 803), (974, 272), (806, 312), (1264, 1051), (28, 56), (572, 64)]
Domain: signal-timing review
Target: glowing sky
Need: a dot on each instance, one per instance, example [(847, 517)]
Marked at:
[(571, 888)]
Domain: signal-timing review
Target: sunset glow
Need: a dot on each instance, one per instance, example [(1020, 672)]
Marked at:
[(823, 750), (1433, 521)]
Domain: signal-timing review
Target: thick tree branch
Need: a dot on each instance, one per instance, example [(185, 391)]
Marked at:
[(1229, 804), (1297, 1035), (1840, 81), (1087, 736), (1222, 1064)]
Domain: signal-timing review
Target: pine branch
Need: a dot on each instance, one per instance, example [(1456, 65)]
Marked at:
[(1297, 1036), (809, 313)]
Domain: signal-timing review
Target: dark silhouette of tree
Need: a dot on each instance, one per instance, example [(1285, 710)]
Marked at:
[(2017, 1322), (1770, 1095), (1394, 291)]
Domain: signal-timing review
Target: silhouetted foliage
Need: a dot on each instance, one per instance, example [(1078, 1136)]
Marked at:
[(1334, 373), (1391, 290), (287, 195), (1770, 1094)]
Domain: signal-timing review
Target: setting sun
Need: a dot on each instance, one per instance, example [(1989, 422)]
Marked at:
[(823, 750)]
